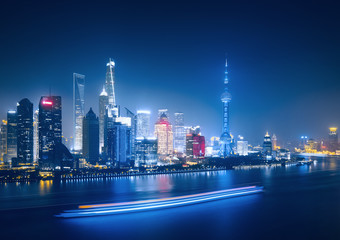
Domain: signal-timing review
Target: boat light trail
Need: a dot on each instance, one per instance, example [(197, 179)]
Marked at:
[(127, 207)]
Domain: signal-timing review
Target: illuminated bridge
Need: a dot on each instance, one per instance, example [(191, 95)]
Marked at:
[(127, 207)]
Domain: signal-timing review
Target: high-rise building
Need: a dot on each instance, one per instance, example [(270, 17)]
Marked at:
[(146, 152), (3, 141), (133, 119), (143, 124), (303, 142), (163, 111), (91, 137), (36, 135), (267, 146), (103, 102), (110, 81), (118, 141), (333, 139), (25, 131), (226, 140), (179, 133), (11, 135), (195, 146), (242, 147), (164, 135), (50, 131), (274, 141), (78, 110)]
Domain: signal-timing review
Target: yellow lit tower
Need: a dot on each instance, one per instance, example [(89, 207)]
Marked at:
[(164, 134)]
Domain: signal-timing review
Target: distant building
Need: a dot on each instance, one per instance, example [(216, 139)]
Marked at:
[(274, 141), (36, 136), (195, 146), (164, 135), (11, 135), (179, 133), (146, 152), (193, 130), (311, 145), (103, 102), (163, 111), (333, 143), (25, 131), (91, 137), (303, 142), (118, 141), (50, 131), (267, 147), (133, 125), (242, 147), (78, 110), (3, 141), (143, 124), (110, 82)]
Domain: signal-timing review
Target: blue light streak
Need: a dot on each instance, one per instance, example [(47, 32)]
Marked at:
[(119, 208)]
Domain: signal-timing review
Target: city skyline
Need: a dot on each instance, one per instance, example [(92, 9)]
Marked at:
[(263, 62)]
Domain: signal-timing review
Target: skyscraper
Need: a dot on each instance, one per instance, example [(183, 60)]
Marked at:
[(3, 141), (225, 140), (143, 124), (91, 137), (146, 152), (179, 133), (36, 136), (78, 110), (11, 135), (333, 139), (274, 141), (164, 134), (267, 147), (242, 147), (110, 81), (103, 102), (161, 111), (195, 146), (50, 131), (25, 131)]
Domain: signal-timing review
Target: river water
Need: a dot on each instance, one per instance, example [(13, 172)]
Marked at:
[(298, 202)]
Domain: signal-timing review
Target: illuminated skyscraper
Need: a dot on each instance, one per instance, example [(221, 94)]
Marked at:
[(226, 140), (195, 145), (91, 137), (164, 135), (143, 124), (110, 81), (36, 136), (267, 147), (78, 110), (242, 147), (3, 141), (333, 139), (274, 141), (146, 152), (50, 131), (179, 133), (25, 131), (103, 102), (11, 135)]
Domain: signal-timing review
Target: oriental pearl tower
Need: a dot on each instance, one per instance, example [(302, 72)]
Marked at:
[(226, 140)]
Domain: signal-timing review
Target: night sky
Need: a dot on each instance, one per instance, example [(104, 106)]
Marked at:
[(283, 60)]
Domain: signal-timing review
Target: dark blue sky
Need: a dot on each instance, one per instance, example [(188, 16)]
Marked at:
[(283, 59)]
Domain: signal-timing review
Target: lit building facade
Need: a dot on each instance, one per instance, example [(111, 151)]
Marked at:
[(143, 124), (333, 141), (242, 147), (110, 81), (36, 135), (226, 140), (164, 135), (274, 142), (91, 137), (195, 146), (3, 141), (78, 110), (11, 135), (179, 133), (50, 131), (146, 152), (103, 102), (25, 131), (267, 147)]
